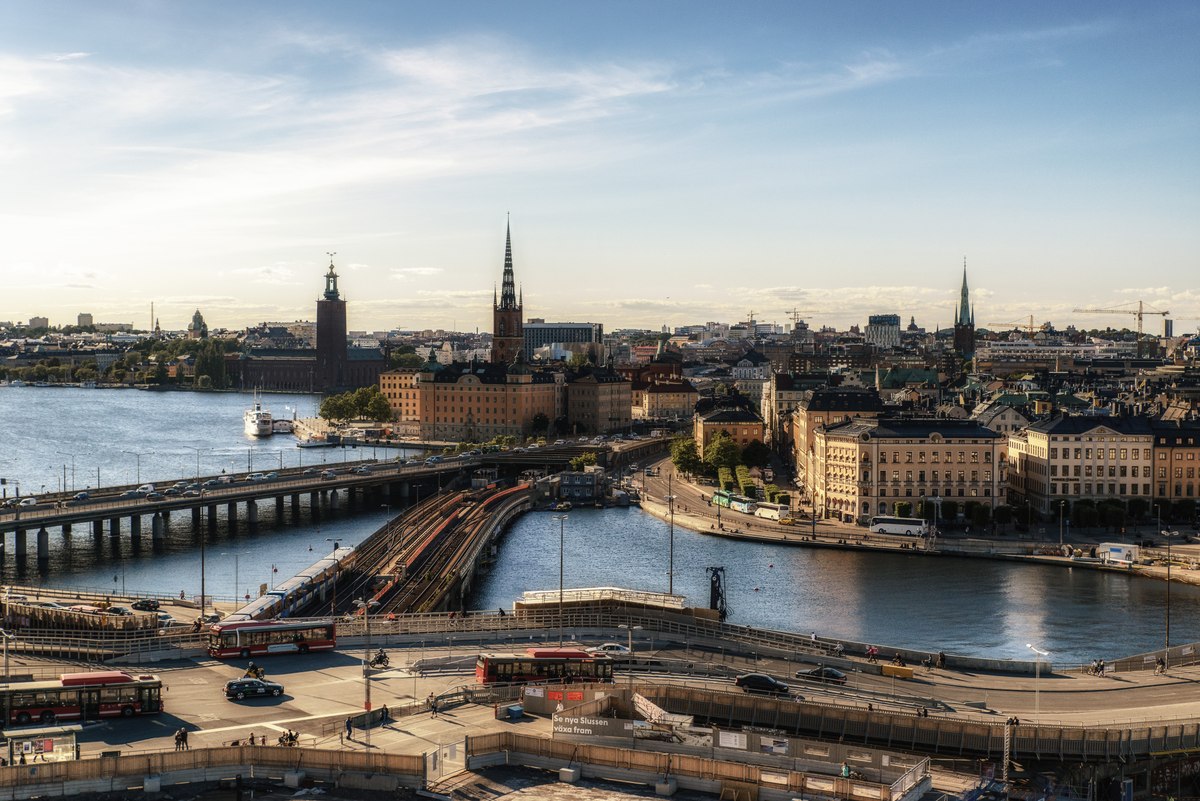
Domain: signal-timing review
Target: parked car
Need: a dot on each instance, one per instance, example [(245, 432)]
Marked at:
[(761, 684), (826, 674), (145, 605), (166, 621), (123, 611), (239, 689)]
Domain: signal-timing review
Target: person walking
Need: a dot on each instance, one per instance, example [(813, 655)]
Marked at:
[(179, 740), (383, 715), (349, 730), (183, 734)]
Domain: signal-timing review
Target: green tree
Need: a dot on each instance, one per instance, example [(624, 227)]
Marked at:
[(378, 408), (903, 509), (583, 460), (336, 409), (684, 456), (409, 359), (722, 451), (756, 454)]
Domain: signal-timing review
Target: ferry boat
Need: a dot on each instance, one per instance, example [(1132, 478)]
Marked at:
[(314, 443), (257, 420), (282, 426)]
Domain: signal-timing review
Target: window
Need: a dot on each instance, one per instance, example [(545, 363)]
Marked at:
[(974, 457)]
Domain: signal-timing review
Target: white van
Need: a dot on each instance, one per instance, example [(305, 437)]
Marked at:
[(147, 488)]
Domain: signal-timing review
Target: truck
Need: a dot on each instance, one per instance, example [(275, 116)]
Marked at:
[(1117, 554)]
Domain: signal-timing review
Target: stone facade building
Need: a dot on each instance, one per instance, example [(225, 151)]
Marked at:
[(742, 425), (822, 407)]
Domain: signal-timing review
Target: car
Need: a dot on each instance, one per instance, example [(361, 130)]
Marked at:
[(166, 621), (28, 502), (610, 648), (43, 604), (172, 491), (122, 611), (826, 674), (195, 485), (239, 689), (310, 471), (146, 488), (761, 684), (85, 609), (583, 439), (81, 496), (328, 474), (256, 477), (271, 476), (361, 470), (212, 482), (192, 493), (145, 605), (475, 453), (560, 442), (154, 496)]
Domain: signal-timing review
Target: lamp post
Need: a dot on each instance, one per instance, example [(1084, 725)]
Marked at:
[(1037, 675), (1167, 635), (366, 607), (236, 580), (629, 657), (137, 456), (671, 551), (1061, 506), (63, 453), (198, 452), (562, 525)]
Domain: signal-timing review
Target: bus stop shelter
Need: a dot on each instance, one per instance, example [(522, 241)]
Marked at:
[(43, 744)]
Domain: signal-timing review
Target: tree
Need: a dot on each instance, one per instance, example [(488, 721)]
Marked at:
[(406, 360), (583, 460), (336, 409), (1183, 510), (722, 451), (756, 454), (981, 515), (684, 456), (1003, 515), (379, 409), (949, 511), (1138, 507), (903, 509), (540, 423)]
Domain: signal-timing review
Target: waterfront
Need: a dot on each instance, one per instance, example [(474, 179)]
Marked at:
[(959, 605)]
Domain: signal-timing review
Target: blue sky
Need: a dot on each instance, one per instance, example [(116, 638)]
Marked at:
[(662, 162)]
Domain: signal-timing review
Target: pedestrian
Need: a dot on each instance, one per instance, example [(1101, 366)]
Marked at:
[(845, 771), (1160, 666), (184, 735), (383, 714), (813, 636), (500, 609), (941, 660), (1100, 667), (250, 739), (349, 729), (179, 740)]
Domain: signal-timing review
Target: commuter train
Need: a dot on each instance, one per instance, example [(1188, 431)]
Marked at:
[(314, 582)]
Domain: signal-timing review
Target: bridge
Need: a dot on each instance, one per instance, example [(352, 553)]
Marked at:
[(367, 482)]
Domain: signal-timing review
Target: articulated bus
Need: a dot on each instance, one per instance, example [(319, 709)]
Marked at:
[(82, 697), (738, 503), (265, 637), (561, 665), (908, 526)]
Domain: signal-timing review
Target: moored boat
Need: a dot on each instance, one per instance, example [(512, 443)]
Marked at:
[(256, 420)]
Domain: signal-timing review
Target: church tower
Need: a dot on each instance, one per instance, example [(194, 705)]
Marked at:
[(331, 335), (508, 330), (964, 322)]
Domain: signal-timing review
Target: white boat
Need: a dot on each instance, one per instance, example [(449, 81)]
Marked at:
[(16, 382), (282, 426), (257, 420), (314, 443)]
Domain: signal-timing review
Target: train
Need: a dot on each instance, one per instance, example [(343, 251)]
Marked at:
[(315, 581)]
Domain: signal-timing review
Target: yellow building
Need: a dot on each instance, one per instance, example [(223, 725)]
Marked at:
[(1176, 461), (824, 407), (742, 426), (865, 467)]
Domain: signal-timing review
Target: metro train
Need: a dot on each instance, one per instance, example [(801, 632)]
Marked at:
[(312, 582)]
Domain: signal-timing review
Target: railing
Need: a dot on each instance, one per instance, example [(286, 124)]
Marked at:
[(527, 749), (137, 766)]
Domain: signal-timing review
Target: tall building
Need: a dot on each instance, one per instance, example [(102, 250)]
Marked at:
[(539, 334), (197, 328), (883, 330), (964, 322), (507, 331), (331, 333), (85, 320)]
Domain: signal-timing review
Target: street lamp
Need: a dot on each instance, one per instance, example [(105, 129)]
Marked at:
[(629, 656), (366, 607), (1037, 674), (198, 452), (562, 524), (1167, 636), (671, 552), (138, 456), (1061, 506), (236, 581), (63, 453)]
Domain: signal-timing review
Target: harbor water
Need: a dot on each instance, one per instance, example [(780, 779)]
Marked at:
[(984, 607)]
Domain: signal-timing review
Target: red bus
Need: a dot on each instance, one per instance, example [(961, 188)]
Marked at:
[(562, 665), (82, 697), (265, 637)]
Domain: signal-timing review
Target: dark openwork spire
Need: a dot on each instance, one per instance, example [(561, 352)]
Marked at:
[(508, 289), (966, 313)]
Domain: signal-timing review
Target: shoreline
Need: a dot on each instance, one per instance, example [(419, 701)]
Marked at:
[(838, 537)]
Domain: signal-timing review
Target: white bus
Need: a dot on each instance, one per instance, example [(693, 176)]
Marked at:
[(771, 511), (908, 526)]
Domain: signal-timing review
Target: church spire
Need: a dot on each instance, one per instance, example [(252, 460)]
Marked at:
[(966, 313), (508, 290)]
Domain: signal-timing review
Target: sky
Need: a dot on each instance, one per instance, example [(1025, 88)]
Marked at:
[(662, 163)]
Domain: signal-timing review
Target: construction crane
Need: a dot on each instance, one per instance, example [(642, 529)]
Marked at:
[(1139, 312), (795, 315), (1022, 323)]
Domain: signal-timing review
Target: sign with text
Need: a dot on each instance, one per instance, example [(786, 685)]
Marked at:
[(586, 726)]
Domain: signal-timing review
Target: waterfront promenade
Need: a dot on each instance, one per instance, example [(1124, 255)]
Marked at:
[(691, 511)]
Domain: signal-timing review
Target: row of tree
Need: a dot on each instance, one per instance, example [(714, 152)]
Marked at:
[(367, 403), (721, 451)]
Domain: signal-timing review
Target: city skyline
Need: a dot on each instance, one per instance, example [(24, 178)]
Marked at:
[(841, 161)]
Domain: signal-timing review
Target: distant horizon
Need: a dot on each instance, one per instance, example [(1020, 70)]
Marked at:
[(663, 162)]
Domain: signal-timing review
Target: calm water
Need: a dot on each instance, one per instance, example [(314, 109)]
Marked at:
[(959, 605)]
